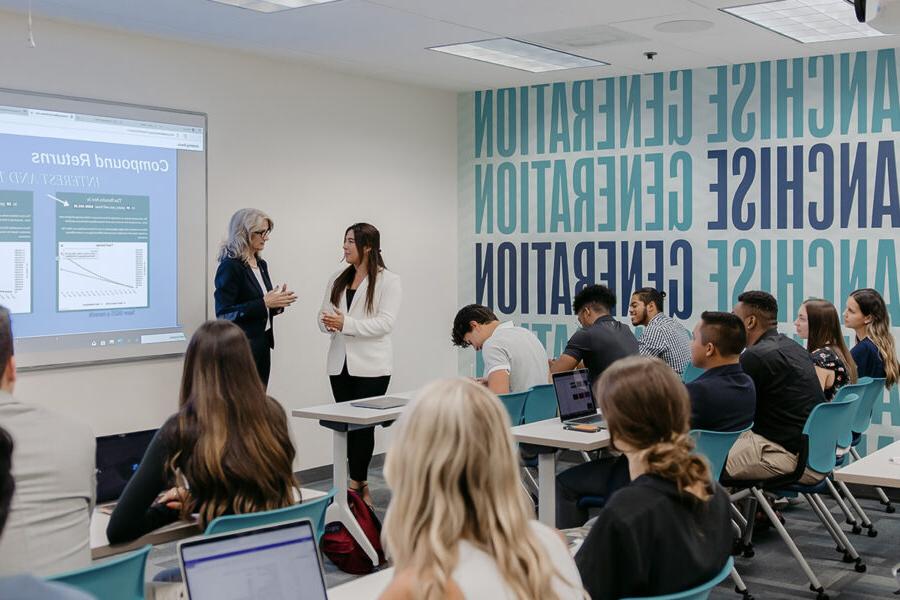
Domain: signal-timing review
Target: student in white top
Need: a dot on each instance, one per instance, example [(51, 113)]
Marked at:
[(460, 525), (358, 312), (514, 359)]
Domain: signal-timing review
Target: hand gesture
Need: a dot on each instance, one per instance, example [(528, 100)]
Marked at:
[(173, 498), (279, 297), (333, 321)]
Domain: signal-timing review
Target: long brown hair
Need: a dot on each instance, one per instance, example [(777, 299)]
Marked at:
[(646, 405), (231, 441), (825, 330), (879, 331), (365, 236)]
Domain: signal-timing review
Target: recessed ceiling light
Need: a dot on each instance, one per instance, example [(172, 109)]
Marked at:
[(683, 26), (270, 6), (518, 55), (807, 21)]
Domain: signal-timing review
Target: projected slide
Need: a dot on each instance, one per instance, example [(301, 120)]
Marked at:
[(16, 218), (103, 251)]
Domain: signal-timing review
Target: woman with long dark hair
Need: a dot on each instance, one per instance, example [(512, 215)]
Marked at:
[(244, 292), (671, 497), (874, 352), (358, 312), (226, 451), (818, 323)]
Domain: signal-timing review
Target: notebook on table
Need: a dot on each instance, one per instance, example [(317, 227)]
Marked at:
[(383, 403), (275, 562)]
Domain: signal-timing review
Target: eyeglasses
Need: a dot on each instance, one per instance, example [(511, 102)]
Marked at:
[(263, 233)]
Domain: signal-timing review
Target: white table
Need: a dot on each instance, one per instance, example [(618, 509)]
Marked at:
[(875, 469), (342, 417), (551, 436), (368, 587), (101, 548)]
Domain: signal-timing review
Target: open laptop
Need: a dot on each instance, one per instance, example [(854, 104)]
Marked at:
[(575, 398), (382, 403), (275, 562), (118, 457)]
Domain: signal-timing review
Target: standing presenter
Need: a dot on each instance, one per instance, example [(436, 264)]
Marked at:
[(360, 306), (244, 292)]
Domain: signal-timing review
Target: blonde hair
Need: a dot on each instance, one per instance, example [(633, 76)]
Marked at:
[(453, 474), (871, 304), (242, 223)]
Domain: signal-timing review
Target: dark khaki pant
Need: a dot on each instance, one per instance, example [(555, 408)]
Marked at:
[(755, 457)]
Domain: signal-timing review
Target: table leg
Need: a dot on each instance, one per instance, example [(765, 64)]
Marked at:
[(547, 488), (340, 508)]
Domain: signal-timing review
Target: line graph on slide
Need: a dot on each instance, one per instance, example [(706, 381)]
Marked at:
[(98, 275)]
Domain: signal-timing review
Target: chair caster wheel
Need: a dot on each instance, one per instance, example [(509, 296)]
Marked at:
[(860, 566), (749, 553), (872, 533), (856, 529), (847, 558), (889, 508), (820, 593)]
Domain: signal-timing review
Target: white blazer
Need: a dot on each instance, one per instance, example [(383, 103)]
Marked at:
[(365, 341)]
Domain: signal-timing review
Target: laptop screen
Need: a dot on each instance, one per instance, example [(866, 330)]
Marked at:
[(574, 394), (118, 457), (277, 562)]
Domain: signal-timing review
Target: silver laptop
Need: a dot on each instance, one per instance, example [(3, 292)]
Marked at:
[(275, 562), (575, 398), (382, 403)]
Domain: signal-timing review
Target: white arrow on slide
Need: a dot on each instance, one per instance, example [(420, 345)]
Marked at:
[(63, 202)]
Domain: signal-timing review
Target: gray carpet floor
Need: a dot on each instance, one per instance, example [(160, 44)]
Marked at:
[(771, 574)]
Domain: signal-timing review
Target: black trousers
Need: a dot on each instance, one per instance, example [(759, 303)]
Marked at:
[(262, 355), (595, 478), (360, 442)]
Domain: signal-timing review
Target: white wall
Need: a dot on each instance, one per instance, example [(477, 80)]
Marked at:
[(316, 150)]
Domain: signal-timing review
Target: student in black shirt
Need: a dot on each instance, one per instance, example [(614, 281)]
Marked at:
[(601, 340), (668, 530), (723, 398), (787, 389)]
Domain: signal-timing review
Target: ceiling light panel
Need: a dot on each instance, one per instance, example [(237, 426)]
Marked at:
[(518, 55), (270, 6), (807, 21)]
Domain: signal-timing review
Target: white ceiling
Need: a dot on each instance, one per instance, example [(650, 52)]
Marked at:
[(387, 39)]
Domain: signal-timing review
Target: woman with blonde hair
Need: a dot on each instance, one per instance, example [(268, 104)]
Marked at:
[(874, 352), (244, 292), (459, 524), (226, 451), (670, 529)]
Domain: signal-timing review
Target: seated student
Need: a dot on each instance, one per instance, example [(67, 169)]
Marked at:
[(601, 340), (23, 587), (874, 352), (228, 444), (663, 337), (48, 530), (723, 398), (514, 359), (787, 389), (669, 530), (818, 323), (459, 524)]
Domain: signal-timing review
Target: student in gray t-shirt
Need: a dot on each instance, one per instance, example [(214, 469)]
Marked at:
[(514, 359)]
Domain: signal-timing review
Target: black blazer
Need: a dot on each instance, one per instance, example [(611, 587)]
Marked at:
[(722, 399), (239, 298)]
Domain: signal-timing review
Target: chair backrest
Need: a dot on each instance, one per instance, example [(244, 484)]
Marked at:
[(859, 388), (691, 373), (540, 404), (314, 510), (515, 406), (715, 446), (120, 578), (824, 430), (701, 592), (874, 392)]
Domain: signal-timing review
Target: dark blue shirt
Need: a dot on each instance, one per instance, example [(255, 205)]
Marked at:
[(722, 399), (868, 359), (601, 344)]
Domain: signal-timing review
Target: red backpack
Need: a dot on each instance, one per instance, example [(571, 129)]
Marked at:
[(340, 547)]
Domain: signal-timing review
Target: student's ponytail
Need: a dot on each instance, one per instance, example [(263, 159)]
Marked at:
[(674, 460)]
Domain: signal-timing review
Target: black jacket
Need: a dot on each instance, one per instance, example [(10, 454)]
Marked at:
[(239, 298)]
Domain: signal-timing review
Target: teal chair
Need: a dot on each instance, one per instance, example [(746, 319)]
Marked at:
[(120, 578), (715, 446), (314, 510), (515, 406), (861, 422), (701, 592), (540, 404), (691, 373)]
